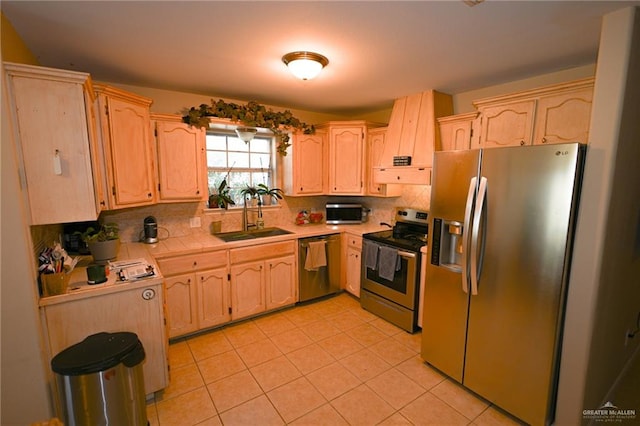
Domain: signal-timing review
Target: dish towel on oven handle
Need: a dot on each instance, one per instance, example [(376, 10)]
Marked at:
[(388, 262), (316, 256), (370, 254)]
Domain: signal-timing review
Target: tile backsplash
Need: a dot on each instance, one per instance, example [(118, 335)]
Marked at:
[(175, 219)]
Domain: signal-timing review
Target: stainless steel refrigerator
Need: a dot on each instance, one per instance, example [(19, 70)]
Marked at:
[(500, 233)]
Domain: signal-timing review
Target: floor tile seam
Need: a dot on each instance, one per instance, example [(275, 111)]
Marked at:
[(355, 387), (424, 391), (417, 351), (197, 361), (246, 368), (399, 413), (418, 383), (370, 378), (282, 384), (169, 398), (326, 401), (221, 413), (262, 362), (270, 333), (360, 382), (471, 420), (213, 402)]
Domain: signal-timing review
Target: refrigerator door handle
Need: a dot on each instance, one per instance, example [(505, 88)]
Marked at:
[(465, 235), (475, 235)]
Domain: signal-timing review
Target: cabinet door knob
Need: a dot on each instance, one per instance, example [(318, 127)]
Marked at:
[(149, 195), (521, 143), (544, 140), (148, 293)]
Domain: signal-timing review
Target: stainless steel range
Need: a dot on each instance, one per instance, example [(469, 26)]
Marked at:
[(390, 269)]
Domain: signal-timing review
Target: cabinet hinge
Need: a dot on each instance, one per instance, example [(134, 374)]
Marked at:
[(113, 190), (106, 109), (155, 132), (158, 187), (228, 277), (230, 311)]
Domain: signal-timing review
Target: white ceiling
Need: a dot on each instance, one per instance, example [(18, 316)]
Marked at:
[(378, 50)]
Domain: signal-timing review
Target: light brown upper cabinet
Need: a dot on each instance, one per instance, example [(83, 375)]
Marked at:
[(564, 117), (375, 145), (332, 161), (411, 137), (551, 114), (306, 165), (127, 147), (54, 132), (182, 167), (458, 132), (347, 156), (346, 159)]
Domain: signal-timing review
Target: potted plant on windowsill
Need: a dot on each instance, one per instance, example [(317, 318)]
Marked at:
[(262, 194), (103, 242), (221, 197), (271, 194)]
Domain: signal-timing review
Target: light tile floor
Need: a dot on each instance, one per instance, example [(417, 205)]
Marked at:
[(324, 363)]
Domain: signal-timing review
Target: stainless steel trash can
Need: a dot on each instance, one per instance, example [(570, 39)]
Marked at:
[(100, 381)]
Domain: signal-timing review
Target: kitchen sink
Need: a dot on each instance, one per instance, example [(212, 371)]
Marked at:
[(248, 235)]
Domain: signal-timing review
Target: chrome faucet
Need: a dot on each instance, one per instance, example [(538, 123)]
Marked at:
[(245, 216)]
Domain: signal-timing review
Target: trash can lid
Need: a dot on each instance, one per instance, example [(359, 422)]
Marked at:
[(99, 352)]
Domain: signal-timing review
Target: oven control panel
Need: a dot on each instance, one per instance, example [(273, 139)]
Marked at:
[(406, 214)]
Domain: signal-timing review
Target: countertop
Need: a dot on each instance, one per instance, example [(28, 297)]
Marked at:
[(79, 288), (204, 243)]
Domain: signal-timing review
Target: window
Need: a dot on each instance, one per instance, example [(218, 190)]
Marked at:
[(242, 164)]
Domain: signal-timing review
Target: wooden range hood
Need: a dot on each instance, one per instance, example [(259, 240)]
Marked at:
[(411, 136)]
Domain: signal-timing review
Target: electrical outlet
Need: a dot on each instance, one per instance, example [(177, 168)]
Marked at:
[(195, 222)]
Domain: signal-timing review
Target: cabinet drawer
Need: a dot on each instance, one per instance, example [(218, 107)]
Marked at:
[(262, 251), (402, 174), (354, 241), (192, 262)]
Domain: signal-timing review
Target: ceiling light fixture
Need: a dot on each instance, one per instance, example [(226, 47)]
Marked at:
[(246, 134), (305, 65)]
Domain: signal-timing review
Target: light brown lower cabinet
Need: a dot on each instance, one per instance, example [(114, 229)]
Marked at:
[(197, 291), (212, 288), (137, 309), (354, 260), (260, 281)]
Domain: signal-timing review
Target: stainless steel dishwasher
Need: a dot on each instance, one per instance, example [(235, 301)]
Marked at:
[(325, 279)]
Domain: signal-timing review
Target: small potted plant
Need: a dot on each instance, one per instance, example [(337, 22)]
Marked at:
[(273, 194), (103, 242), (220, 197)]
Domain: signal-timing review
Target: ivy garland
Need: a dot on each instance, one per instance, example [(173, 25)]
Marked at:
[(252, 115)]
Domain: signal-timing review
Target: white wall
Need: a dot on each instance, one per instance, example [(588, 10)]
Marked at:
[(463, 102), (172, 102), (604, 289)]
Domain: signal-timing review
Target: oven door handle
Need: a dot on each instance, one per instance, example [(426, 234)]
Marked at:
[(406, 254)]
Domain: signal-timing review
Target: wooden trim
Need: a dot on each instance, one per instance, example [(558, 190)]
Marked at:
[(553, 89)]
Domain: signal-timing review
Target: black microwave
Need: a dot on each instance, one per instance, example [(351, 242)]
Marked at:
[(345, 213)]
